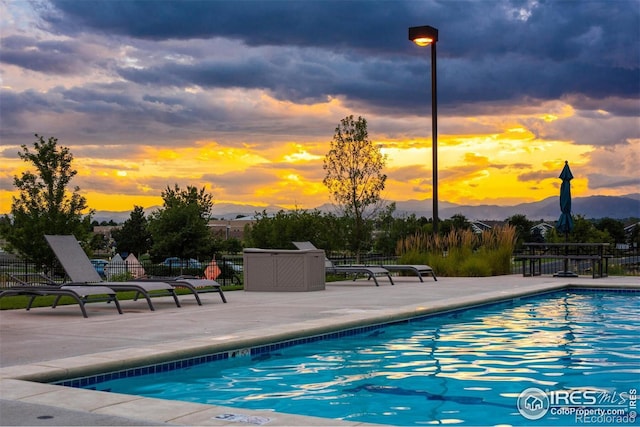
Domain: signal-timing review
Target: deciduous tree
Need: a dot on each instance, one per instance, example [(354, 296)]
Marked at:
[(584, 231), (279, 230), (614, 227), (134, 236), (180, 227), (44, 204), (354, 177)]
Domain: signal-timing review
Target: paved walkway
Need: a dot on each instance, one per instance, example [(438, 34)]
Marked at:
[(50, 344)]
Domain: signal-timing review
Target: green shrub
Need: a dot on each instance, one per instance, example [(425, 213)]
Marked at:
[(498, 259), (122, 277), (474, 266), (414, 257), (617, 270)]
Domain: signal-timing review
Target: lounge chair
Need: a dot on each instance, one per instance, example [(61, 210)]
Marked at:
[(81, 272), (371, 272), (193, 284), (418, 270), (37, 285)]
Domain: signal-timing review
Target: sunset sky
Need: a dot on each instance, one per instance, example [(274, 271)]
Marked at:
[(243, 96)]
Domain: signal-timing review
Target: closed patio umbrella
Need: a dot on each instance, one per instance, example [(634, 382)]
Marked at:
[(565, 222)]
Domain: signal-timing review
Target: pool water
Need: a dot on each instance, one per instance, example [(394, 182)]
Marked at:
[(467, 367)]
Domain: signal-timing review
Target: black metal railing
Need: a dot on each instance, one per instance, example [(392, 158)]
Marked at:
[(231, 270), (624, 262), (621, 262), (365, 259)]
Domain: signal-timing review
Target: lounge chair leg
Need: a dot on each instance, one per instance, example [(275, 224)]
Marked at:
[(371, 276), (191, 289), (80, 302), (175, 297), (55, 302), (224, 300), (30, 302), (151, 307), (195, 294), (434, 276), (84, 311), (116, 302)]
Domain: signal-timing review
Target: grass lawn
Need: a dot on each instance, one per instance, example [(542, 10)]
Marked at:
[(20, 301)]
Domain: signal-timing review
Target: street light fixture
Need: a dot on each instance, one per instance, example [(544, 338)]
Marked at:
[(424, 36)]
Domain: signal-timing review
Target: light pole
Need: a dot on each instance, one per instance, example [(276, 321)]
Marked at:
[(424, 36)]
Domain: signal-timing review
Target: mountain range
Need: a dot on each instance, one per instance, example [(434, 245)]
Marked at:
[(618, 207)]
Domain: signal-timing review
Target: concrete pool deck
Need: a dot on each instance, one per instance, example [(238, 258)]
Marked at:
[(47, 344)]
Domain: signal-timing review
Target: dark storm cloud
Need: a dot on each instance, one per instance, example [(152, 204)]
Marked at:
[(557, 30), (6, 185), (243, 183), (109, 111), (8, 153), (118, 113), (50, 56), (15, 106), (536, 176), (497, 50), (409, 173), (617, 106), (299, 81), (606, 181), (326, 23), (388, 86)]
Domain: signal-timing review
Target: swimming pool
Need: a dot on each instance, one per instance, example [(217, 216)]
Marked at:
[(452, 368)]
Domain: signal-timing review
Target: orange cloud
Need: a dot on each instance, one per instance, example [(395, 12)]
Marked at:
[(500, 159)]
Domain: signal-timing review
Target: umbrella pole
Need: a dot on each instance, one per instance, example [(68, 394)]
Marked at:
[(566, 254), (566, 272)]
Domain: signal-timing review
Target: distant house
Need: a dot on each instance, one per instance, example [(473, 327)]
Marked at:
[(478, 227), (105, 230), (629, 231), (485, 225), (230, 228), (543, 228)]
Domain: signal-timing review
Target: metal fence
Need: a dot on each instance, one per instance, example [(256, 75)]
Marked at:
[(621, 262), (231, 270), (617, 266)]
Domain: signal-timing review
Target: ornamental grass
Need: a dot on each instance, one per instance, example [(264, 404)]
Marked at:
[(461, 253)]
